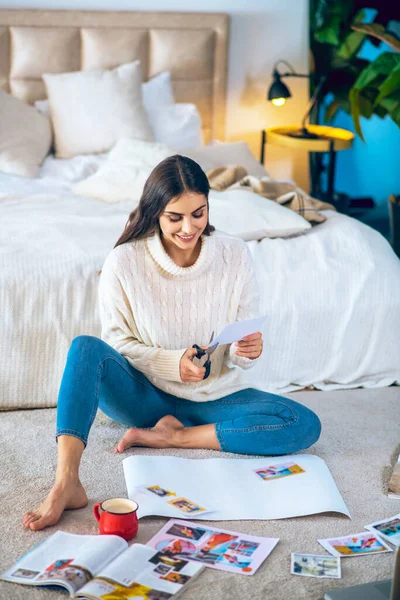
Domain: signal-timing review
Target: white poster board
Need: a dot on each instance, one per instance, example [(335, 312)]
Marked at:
[(231, 488)]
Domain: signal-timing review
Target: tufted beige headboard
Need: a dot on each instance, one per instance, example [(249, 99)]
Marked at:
[(192, 46)]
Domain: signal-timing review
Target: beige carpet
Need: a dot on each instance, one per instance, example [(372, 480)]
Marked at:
[(359, 442)]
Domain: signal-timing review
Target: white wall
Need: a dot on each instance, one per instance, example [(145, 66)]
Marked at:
[(261, 31)]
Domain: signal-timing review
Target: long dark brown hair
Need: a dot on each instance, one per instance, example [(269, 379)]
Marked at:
[(169, 179)]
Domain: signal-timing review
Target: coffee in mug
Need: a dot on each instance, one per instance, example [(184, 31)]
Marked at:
[(117, 516)]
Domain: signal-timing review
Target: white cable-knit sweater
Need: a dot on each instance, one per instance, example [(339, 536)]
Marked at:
[(152, 310)]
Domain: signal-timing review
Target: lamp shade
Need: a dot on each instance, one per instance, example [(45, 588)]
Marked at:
[(278, 89)]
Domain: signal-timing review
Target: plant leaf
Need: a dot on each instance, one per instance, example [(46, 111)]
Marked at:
[(329, 33), (380, 111), (366, 107), (324, 13), (377, 30), (396, 115), (355, 111), (351, 45), (353, 40), (331, 110), (382, 65), (390, 85), (392, 105)]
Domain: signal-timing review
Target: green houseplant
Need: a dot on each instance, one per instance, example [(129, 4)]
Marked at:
[(338, 29)]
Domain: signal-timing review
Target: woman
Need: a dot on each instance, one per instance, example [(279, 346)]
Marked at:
[(167, 284)]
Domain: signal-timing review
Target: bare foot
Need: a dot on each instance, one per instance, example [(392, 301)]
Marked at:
[(163, 435), (64, 494)]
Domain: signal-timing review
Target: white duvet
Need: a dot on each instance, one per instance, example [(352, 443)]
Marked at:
[(332, 295)]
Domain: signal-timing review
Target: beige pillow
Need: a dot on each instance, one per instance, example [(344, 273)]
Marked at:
[(92, 110), (25, 137), (249, 216)]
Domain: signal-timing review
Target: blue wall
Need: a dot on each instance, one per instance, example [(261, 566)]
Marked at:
[(371, 168)]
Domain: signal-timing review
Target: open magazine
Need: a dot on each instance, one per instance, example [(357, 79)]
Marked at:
[(102, 567)]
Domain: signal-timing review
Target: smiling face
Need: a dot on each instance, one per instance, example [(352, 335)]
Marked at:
[(184, 220)]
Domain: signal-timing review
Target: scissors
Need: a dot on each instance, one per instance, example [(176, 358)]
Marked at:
[(208, 352)]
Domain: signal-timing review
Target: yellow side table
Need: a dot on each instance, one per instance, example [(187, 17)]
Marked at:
[(330, 139)]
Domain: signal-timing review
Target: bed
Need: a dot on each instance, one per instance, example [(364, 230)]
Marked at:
[(331, 294)]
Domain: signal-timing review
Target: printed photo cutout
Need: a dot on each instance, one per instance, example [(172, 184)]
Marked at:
[(357, 544), (224, 549), (176, 578), (278, 471), (25, 573), (175, 562), (177, 547), (243, 547), (187, 532), (188, 507), (314, 565), (158, 491), (388, 529), (162, 569)]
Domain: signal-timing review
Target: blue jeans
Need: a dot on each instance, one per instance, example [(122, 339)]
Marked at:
[(246, 422)]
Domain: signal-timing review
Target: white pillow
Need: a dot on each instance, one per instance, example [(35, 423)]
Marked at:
[(177, 125), (25, 137), (157, 92), (221, 154), (124, 174), (249, 216), (92, 110)]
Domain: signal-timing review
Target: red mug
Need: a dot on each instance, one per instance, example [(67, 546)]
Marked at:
[(117, 516)]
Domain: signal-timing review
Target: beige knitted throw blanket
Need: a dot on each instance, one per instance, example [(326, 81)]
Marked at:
[(285, 193)]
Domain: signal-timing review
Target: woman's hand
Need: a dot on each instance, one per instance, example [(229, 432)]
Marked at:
[(250, 346), (188, 370)]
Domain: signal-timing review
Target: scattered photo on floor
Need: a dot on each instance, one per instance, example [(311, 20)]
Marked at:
[(314, 565), (357, 544), (278, 471), (388, 529)]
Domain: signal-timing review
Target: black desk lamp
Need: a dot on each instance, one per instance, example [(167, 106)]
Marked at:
[(279, 92)]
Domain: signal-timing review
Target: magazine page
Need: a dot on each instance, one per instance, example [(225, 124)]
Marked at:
[(272, 487), (140, 573), (65, 559), (211, 546)]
